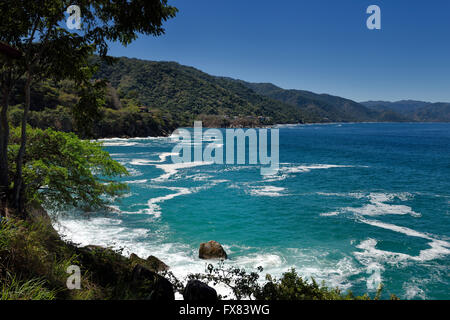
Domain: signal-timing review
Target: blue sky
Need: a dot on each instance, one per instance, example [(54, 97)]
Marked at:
[(323, 45)]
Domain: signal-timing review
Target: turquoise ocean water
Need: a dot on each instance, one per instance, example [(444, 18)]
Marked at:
[(353, 205)]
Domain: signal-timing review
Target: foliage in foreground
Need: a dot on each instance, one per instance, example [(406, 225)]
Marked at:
[(34, 262), (62, 170), (54, 103), (34, 289)]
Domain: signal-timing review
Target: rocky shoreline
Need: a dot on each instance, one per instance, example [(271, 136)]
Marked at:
[(147, 276), (105, 273)]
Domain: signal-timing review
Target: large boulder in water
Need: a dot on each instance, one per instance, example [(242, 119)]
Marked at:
[(198, 291), (212, 250)]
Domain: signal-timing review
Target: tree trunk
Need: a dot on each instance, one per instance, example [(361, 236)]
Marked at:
[(19, 186), (4, 139)]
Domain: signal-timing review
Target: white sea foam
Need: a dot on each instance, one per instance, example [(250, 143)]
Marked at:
[(287, 169), (171, 169), (237, 168), (438, 248), (126, 195), (413, 291), (146, 162), (127, 142), (107, 232), (266, 191), (287, 125), (316, 264), (163, 156), (330, 214), (374, 280), (268, 261), (133, 172), (308, 168), (119, 144), (131, 139), (153, 204), (141, 162), (375, 258), (356, 195), (113, 208), (377, 205), (199, 177), (137, 181)]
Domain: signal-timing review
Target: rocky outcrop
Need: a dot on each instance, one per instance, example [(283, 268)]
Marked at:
[(212, 250), (152, 263), (157, 265), (158, 287), (93, 248), (36, 213), (106, 266), (112, 270), (196, 290)]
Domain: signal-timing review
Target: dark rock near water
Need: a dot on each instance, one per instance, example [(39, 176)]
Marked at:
[(135, 259), (110, 269), (93, 247), (212, 250), (152, 263), (157, 265), (134, 256), (198, 291), (37, 213), (107, 267), (159, 288)]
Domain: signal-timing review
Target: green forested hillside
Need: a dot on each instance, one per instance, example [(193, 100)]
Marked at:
[(148, 98), (188, 94), (52, 104)]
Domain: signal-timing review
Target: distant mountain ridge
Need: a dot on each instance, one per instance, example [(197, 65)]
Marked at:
[(414, 110), (188, 92), (324, 107)]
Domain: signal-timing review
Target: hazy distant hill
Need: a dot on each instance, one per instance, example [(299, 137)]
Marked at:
[(414, 110), (403, 106), (324, 107)]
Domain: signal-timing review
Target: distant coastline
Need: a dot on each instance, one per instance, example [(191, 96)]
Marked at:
[(278, 125)]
